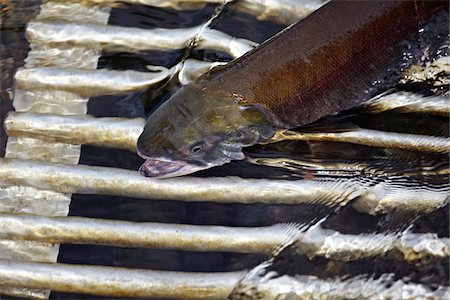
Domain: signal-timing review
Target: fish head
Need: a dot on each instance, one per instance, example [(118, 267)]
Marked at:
[(197, 129)]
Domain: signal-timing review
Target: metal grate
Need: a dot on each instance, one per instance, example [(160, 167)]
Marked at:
[(40, 171)]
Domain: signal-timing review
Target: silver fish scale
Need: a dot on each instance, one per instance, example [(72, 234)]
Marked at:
[(41, 170)]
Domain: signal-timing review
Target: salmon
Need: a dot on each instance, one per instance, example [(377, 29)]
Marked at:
[(339, 56)]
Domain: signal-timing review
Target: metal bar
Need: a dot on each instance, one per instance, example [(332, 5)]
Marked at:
[(112, 181), (392, 190), (217, 40), (392, 196), (73, 12), (50, 101), (85, 82), (312, 287), (315, 241), (33, 201), (135, 39), (24, 293), (175, 4), (26, 199), (118, 282), (80, 129), (89, 82), (410, 102), (333, 167), (34, 149), (123, 133), (154, 235), (21, 124), (281, 11), (372, 138), (191, 69)]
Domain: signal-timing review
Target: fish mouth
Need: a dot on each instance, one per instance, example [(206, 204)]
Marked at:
[(164, 168), (158, 168)]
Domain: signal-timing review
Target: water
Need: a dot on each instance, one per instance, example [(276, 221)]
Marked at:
[(13, 51), (351, 166)]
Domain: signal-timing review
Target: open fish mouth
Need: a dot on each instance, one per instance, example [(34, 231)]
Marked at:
[(164, 168), (158, 168)]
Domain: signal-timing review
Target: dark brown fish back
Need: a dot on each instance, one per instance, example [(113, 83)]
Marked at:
[(328, 62)]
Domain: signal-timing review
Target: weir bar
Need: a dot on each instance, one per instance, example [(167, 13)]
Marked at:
[(50, 124)]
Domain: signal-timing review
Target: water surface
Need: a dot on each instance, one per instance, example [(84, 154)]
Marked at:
[(367, 166)]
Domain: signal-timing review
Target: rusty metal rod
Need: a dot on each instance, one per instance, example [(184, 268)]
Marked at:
[(117, 282)]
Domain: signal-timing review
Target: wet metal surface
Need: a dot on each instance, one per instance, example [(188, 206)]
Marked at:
[(311, 287), (118, 282), (353, 206), (113, 181), (123, 133), (315, 241), (133, 39), (410, 102), (154, 235), (372, 138), (58, 205)]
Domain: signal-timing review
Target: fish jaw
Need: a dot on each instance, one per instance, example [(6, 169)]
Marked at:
[(164, 168)]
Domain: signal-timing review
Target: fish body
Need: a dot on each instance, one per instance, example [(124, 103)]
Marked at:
[(339, 56)]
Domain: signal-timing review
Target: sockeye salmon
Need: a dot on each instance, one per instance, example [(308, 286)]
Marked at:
[(339, 56)]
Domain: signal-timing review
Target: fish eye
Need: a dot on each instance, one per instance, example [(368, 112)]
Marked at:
[(196, 147)]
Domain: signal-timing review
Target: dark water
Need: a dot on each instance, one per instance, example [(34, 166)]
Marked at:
[(139, 104)]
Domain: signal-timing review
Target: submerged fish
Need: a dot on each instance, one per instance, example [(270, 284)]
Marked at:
[(339, 56)]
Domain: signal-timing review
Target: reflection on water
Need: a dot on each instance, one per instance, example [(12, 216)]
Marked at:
[(406, 178)]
